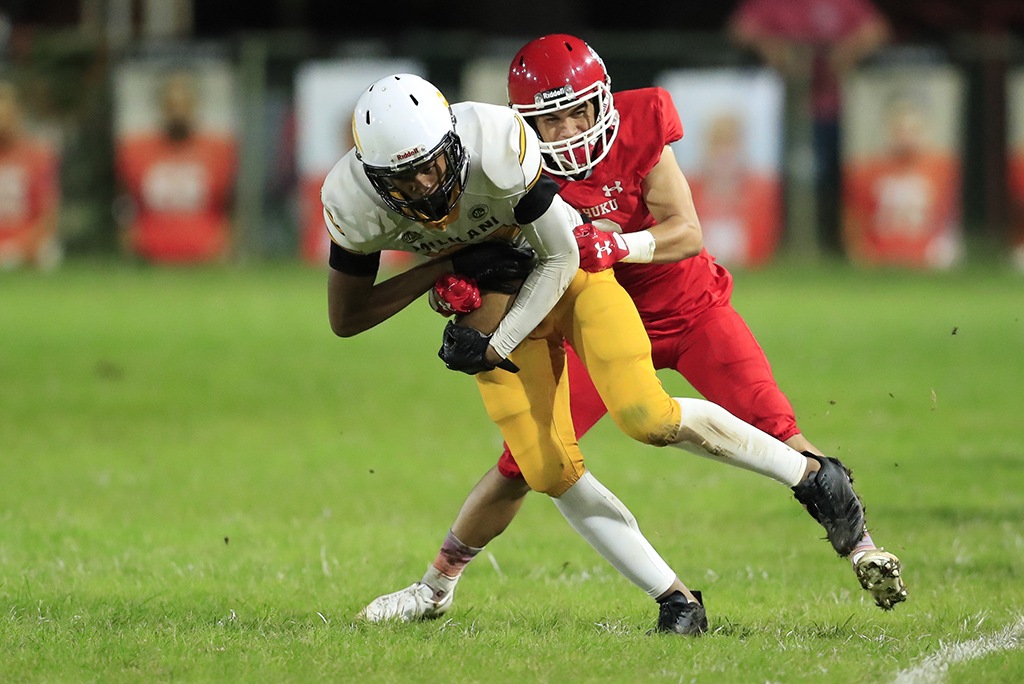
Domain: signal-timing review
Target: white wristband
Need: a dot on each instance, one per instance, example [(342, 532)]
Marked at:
[(641, 247)]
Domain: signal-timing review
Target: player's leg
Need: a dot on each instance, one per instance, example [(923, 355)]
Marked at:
[(533, 410), (486, 512), (508, 398), (608, 526), (605, 329), (720, 357)]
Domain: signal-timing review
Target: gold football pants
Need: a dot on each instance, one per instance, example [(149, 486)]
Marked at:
[(531, 407)]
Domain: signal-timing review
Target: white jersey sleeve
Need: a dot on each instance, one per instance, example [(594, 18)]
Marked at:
[(551, 237), (558, 258), (508, 152)]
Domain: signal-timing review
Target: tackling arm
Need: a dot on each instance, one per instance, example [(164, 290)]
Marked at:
[(677, 233), (675, 236)]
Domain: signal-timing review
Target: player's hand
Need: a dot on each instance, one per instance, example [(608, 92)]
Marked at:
[(599, 249), (496, 265), (454, 294), (465, 349)]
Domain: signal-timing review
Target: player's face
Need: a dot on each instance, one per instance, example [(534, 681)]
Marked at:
[(565, 123), (423, 180), (906, 133)]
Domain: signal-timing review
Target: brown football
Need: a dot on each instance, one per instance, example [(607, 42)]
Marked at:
[(493, 307)]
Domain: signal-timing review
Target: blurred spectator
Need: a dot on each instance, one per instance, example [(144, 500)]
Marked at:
[(1015, 172), (180, 181), (821, 40), (739, 206), (315, 243), (1015, 179), (902, 205), (29, 192)]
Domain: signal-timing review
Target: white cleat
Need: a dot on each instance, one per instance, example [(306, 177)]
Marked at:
[(881, 574), (415, 602)]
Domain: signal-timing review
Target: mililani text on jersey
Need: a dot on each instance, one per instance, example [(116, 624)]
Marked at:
[(433, 247)]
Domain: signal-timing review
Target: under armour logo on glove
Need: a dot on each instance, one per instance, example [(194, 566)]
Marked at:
[(454, 294), (599, 249)]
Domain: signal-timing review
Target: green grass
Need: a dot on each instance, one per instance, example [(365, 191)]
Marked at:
[(200, 483)]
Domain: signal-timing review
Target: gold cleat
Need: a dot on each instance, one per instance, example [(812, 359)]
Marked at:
[(881, 574)]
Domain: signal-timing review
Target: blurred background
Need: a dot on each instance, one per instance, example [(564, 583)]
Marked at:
[(179, 131)]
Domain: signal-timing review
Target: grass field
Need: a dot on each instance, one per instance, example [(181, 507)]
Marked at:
[(200, 483)]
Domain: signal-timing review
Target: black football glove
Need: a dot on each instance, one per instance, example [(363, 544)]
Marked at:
[(463, 349), (496, 265)]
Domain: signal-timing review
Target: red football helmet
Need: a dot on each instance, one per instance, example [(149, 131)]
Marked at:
[(556, 72)]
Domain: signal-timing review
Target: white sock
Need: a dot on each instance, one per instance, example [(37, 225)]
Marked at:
[(607, 525), (709, 430), (440, 583)]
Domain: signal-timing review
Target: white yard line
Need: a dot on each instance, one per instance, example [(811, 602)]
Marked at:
[(932, 669)]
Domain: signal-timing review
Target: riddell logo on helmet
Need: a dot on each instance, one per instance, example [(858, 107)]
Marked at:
[(554, 94), (409, 154)]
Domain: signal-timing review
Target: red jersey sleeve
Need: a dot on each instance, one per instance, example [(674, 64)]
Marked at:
[(647, 139), (671, 125)]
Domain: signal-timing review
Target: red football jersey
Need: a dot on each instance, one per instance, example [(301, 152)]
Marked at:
[(1015, 182), (28, 188), (182, 192), (741, 217), (818, 24), (902, 212), (667, 296)]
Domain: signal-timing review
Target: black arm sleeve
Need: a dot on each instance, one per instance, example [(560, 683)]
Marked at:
[(535, 202), (354, 264)]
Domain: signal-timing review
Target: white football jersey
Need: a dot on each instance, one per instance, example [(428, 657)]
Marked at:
[(504, 163)]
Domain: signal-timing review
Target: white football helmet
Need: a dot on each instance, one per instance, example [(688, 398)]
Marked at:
[(403, 123)]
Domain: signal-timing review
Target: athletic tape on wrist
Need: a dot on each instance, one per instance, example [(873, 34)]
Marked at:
[(641, 247)]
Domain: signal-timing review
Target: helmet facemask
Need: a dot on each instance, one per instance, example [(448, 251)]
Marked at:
[(556, 73), (578, 154), (436, 207)]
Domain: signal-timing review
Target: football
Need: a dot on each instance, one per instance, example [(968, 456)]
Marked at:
[(493, 307)]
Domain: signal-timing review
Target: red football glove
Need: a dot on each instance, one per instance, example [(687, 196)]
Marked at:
[(599, 249), (453, 294)]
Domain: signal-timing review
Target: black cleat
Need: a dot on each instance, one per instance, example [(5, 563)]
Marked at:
[(679, 616), (829, 497)]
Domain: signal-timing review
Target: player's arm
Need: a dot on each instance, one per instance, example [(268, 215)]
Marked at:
[(868, 37), (675, 236), (677, 233), (747, 29), (356, 303), (547, 223)]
